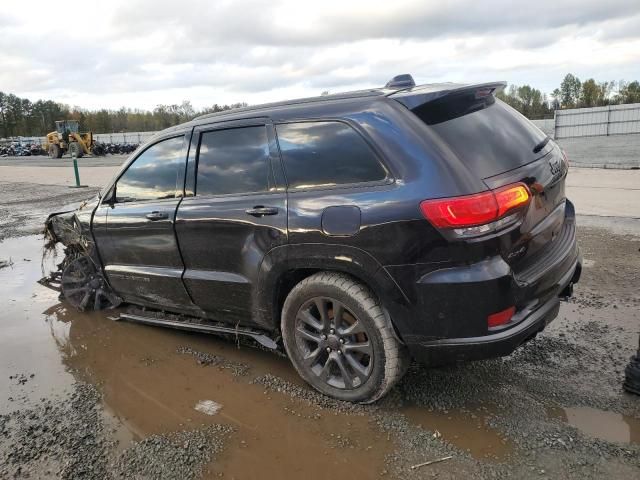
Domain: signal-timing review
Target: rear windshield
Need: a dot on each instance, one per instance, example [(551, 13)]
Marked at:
[(487, 134)]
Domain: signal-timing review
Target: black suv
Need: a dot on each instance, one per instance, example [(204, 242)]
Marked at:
[(359, 230)]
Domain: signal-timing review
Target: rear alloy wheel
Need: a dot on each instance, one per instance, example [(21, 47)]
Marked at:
[(339, 339), (84, 287)]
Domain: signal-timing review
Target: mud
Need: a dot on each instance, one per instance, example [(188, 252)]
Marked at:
[(25, 206), (608, 426), (467, 430), (84, 395)]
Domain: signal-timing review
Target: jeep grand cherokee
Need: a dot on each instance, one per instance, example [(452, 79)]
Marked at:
[(356, 230)]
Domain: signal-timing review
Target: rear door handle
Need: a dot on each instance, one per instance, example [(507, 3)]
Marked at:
[(153, 216), (260, 211)]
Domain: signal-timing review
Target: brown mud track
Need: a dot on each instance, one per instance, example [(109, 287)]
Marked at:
[(83, 395)]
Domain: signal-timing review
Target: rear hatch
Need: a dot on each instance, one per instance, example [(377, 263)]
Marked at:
[(502, 147)]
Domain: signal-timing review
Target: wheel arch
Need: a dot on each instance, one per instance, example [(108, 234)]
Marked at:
[(286, 266)]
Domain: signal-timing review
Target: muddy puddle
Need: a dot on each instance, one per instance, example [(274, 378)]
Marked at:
[(609, 426), (467, 430), (150, 385)]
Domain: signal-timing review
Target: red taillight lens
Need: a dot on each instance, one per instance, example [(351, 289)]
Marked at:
[(460, 211), (477, 209), (511, 197), (501, 318)]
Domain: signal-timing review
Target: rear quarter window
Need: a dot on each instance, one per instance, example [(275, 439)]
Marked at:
[(324, 154), (489, 136)]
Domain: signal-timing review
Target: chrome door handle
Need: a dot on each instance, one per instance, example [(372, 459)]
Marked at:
[(153, 216), (260, 211)]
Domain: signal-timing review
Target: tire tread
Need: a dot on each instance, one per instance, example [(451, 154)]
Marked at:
[(396, 357)]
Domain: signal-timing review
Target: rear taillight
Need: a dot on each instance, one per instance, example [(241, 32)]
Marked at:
[(479, 213)]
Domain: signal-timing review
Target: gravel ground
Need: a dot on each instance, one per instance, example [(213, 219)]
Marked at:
[(207, 359), (25, 206), (68, 438)]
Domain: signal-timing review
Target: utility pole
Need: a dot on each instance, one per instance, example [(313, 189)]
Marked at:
[(75, 171)]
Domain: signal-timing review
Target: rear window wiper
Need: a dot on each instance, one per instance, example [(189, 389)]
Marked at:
[(542, 144)]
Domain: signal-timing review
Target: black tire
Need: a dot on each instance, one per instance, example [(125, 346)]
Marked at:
[(55, 151), (355, 358), (75, 148)]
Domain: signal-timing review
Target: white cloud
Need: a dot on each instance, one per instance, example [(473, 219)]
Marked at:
[(141, 53)]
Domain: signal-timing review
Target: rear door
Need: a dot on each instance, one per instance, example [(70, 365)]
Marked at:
[(140, 253), (234, 213)]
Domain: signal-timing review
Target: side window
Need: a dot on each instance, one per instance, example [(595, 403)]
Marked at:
[(153, 175), (233, 161), (318, 154)]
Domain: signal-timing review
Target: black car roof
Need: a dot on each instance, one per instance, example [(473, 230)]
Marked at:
[(320, 102), (267, 109), (374, 92)]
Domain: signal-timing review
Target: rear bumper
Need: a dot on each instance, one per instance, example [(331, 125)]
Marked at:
[(448, 319), (525, 325)]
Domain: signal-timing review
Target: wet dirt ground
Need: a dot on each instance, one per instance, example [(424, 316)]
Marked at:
[(84, 396)]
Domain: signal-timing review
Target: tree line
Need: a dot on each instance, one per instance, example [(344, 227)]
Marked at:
[(21, 117), (572, 93)]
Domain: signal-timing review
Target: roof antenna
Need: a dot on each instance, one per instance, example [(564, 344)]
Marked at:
[(401, 81)]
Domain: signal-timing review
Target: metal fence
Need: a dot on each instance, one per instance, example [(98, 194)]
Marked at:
[(116, 137), (597, 121), (548, 126), (124, 137)]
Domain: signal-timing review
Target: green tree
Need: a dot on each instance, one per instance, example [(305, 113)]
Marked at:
[(529, 101), (595, 94), (570, 90), (627, 92), (590, 95)]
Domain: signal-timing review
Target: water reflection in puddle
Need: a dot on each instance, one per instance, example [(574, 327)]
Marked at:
[(609, 426), (148, 388), (466, 430)]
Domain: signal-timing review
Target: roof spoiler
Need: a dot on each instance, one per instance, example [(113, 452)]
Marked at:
[(414, 97)]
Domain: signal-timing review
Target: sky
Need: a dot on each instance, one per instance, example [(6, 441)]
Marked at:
[(141, 53)]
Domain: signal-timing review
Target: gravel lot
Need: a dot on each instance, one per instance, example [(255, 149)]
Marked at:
[(86, 397)]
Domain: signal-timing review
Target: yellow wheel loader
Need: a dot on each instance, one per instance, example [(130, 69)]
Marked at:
[(67, 139)]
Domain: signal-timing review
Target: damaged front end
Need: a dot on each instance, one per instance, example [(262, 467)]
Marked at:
[(79, 277)]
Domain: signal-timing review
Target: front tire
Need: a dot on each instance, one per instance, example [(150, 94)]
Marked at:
[(339, 339), (75, 148), (55, 151)]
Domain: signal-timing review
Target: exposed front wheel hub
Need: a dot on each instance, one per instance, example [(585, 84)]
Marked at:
[(84, 288)]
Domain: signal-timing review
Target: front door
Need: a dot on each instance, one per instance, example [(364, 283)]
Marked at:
[(236, 215), (141, 256)]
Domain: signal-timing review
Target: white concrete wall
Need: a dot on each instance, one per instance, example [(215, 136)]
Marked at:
[(615, 151), (547, 126), (124, 137), (598, 121)]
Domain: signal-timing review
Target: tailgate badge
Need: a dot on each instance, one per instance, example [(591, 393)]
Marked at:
[(555, 165)]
